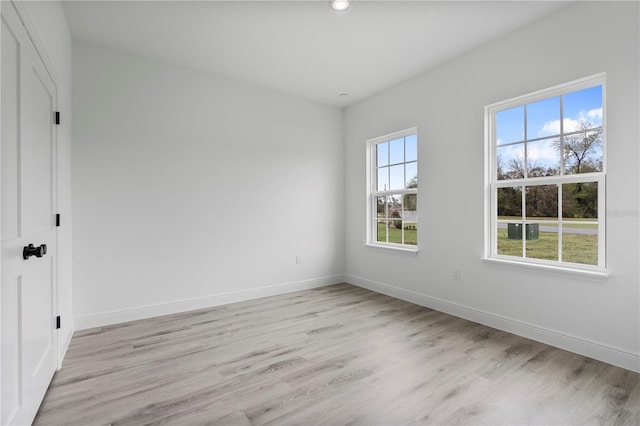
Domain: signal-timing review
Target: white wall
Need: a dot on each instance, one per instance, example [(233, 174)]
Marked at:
[(192, 190), (600, 319), (48, 24)]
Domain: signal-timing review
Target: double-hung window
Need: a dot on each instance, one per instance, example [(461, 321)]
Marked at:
[(546, 168), (393, 190)]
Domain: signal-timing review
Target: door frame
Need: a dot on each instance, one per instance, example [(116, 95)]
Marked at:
[(23, 13)]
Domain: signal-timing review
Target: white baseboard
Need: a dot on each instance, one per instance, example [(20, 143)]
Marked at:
[(115, 317), (616, 356), (65, 340)]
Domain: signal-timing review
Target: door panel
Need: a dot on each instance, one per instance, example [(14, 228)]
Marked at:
[(10, 296), (10, 82), (11, 388), (36, 152), (37, 315), (28, 210)]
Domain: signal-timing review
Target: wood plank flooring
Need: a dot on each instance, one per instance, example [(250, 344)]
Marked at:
[(339, 355)]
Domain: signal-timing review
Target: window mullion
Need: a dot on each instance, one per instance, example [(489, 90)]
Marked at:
[(524, 220), (386, 219), (550, 180), (402, 219), (562, 156), (526, 145), (397, 192), (602, 217), (560, 224)]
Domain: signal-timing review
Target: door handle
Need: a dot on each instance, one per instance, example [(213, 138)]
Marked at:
[(30, 250)]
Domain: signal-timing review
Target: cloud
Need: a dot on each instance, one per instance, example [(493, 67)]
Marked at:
[(593, 116), (544, 153), (511, 151), (553, 127)]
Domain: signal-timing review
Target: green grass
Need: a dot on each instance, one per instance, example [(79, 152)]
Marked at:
[(576, 248), (395, 235)]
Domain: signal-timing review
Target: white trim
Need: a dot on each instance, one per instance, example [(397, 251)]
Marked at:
[(23, 12), (395, 135), (372, 191), (597, 350), (550, 180), (559, 269), (65, 343), (1, 303), (396, 248), (149, 311), (492, 184), (575, 85)]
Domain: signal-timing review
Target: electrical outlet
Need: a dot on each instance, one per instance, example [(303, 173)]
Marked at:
[(457, 275), (298, 259)]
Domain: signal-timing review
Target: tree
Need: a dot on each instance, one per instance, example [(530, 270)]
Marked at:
[(580, 200), (577, 149), (541, 200), (516, 169), (381, 206), (410, 200), (510, 201), (395, 210)]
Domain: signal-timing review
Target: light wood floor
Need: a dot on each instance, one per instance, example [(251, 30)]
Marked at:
[(338, 355)]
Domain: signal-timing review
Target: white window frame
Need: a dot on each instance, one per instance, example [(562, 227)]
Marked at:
[(492, 184), (373, 193)]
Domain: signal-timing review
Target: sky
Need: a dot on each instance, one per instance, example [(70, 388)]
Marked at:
[(543, 120), (397, 162), (397, 158)]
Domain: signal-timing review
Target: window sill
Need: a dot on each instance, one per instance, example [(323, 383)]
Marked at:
[(394, 249), (560, 271)]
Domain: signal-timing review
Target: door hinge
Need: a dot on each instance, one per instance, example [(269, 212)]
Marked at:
[(57, 219), (58, 322), (57, 118)]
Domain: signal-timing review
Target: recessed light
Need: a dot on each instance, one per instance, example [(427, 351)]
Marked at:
[(344, 95), (339, 5)]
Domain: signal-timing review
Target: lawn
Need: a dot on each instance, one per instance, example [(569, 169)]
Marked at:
[(395, 235), (576, 248)]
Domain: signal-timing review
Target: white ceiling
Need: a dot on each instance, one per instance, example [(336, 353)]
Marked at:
[(303, 47)]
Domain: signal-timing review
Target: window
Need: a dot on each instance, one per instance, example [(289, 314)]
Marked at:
[(546, 177), (393, 190)]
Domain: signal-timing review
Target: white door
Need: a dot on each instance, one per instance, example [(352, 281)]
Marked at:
[(28, 332)]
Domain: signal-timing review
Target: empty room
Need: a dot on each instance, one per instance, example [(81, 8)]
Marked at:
[(316, 212)]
